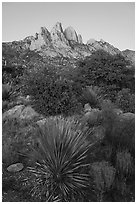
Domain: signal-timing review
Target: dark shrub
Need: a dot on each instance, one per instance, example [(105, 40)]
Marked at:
[(126, 100), (91, 95), (51, 94), (108, 71), (17, 138), (119, 128)]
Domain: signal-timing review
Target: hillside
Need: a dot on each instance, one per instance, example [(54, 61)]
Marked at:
[(68, 119)]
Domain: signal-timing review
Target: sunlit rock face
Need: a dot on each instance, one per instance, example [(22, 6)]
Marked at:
[(58, 37), (43, 38), (80, 39), (65, 43), (71, 34)]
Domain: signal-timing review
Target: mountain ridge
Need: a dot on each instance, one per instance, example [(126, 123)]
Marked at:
[(66, 43)]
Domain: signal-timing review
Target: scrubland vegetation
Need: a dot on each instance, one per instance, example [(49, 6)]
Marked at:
[(70, 156)]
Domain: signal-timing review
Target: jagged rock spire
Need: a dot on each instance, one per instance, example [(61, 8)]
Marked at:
[(58, 36)]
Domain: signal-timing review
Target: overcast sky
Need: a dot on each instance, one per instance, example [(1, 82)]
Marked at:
[(112, 22)]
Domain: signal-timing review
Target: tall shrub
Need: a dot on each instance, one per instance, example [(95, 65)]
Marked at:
[(51, 93), (126, 100)]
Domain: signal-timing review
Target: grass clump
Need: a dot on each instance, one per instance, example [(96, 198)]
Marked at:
[(103, 177)]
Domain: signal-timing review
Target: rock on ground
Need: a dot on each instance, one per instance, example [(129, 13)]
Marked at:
[(20, 112)]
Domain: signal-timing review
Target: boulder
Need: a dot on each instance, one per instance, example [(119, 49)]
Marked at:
[(13, 112), (71, 34), (87, 108), (15, 167), (28, 113), (20, 112), (127, 116), (91, 41)]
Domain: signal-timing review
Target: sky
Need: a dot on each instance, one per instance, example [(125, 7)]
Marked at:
[(112, 22)]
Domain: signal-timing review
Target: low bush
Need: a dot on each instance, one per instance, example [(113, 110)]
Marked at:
[(16, 142), (52, 95), (91, 95), (126, 100), (103, 175), (119, 129)]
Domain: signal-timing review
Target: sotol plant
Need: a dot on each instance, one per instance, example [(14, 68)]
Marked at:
[(62, 161)]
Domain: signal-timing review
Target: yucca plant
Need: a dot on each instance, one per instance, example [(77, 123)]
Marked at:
[(62, 160), (103, 176), (90, 95)]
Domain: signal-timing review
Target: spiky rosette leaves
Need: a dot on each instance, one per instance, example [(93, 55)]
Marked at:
[(62, 156)]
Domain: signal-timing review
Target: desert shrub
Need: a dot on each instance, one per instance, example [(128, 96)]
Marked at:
[(123, 135), (52, 95), (91, 95), (126, 100), (62, 159), (16, 140), (119, 129), (109, 116), (124, 164), (103, 175), (110, 72), (125, 175)]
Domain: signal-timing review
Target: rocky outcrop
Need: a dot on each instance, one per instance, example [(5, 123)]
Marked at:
[(129, 55), (80, 41), (58, 37), (71, 34), (43, 38), (91, 41), (102, 45), (20, 112), (64, 43)]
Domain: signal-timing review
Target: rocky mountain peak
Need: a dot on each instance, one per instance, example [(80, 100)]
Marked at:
[(71, 34), (66, 43), (80, 41), (58, 37), (102, 41), (91, 41), (43, 31), (57, 27)]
